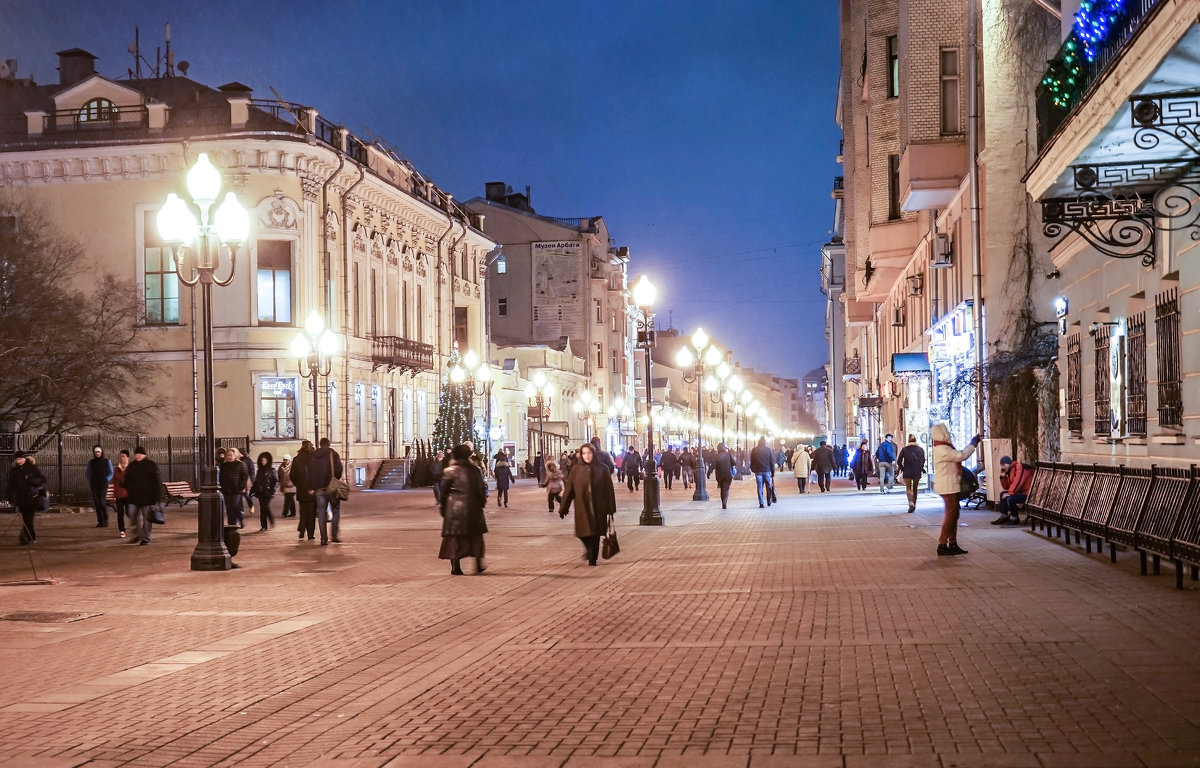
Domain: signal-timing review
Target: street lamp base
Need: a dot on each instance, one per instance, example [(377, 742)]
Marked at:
[(651, 514), (701, 492), (210, 553)]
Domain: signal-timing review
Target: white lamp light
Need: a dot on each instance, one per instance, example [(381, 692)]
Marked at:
[(204, 181)]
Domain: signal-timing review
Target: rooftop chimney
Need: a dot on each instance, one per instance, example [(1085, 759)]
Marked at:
[(495, 191), (74, 65)]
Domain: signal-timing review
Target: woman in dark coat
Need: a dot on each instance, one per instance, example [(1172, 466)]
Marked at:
[(463, 494), (862, 465), (266, 482), (504, 479), (589, 485), (26, 491)]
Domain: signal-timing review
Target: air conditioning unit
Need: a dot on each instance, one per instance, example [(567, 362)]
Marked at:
[(943, 252)]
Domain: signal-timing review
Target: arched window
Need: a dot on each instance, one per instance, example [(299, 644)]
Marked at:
[(97, 110)]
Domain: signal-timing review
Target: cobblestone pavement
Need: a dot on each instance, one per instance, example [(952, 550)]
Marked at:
[(821, 632)]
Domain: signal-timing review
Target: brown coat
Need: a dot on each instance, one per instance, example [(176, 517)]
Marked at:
[(590, 487)]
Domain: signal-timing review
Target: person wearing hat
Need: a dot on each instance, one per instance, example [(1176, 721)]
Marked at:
[(911, 463), (26, 490), (306, 500), (1015, 478), (142, 483), (287, 487), (99, 473)]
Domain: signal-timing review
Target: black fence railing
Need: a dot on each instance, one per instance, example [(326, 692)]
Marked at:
[(1169, 344), (63, 458), (1074, 384), (104, 119), (1136, 419), (397, 352)]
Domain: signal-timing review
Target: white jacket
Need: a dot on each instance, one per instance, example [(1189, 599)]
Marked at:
[(946, 461), (801, 463)]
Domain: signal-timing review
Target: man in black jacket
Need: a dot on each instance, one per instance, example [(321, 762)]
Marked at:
[(142, 483), (722, 465), (325, 465), (304, 495), (823, 463), (762, 464), (99, 473)]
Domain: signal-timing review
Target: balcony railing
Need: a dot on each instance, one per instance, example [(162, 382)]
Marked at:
[(1079, 64), (97, 120), (405, 354)]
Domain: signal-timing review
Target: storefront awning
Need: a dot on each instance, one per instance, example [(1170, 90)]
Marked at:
[(910, 362)]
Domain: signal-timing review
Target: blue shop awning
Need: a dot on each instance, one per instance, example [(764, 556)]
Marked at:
[(910, 362)]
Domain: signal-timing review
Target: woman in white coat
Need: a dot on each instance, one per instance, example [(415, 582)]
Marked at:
[(947, 468)]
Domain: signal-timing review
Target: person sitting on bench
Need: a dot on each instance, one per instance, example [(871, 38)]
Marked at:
[(1015, 479)]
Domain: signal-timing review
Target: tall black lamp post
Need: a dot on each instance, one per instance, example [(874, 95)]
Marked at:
[(228, 227), (314, 348), (539, 392), (704, 354), (586, 409), (643, 296), (480, 374)]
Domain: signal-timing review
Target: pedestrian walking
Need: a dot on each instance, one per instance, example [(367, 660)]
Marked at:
[(669, 465), (323, 467), (722, 466), (142, 481), (947, 475), (120, 494), (911, 463), (687, 467), (824, 462), (306, 500), (633, 469), (463, 496), (266, 481), (862, 466), (26, 491), (554, 487), (251, 469), (885, 462), (762, 464), (589, 488), (233, 483), (99, 472), (601, 455), (801, 466), (287, 487), (1016, 479), (435, 471), (504, 478)]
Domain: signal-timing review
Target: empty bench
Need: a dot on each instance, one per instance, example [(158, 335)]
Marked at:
[(179, 492)]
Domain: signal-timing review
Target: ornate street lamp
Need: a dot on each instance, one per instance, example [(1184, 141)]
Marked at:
[(705, 354), (539, 392), (228, 228), (620, 413), (586, 408), (643, 297), (479, 372), (314, 348)]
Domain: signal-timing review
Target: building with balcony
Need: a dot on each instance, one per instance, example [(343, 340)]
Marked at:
[(939, 245), (340, 226), (1115, 183)]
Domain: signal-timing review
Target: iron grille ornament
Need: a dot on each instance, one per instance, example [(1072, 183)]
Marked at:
[(1120, 227)]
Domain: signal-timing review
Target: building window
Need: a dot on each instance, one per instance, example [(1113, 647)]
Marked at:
[(375, 414), (1101, 388), (331, 398), (420, 313), (501, 265), (274, 282), (948, 71), (461, 332), (502, 307), (599, 355), (893, 67), (356, 301), (98, 110), (406, 310), (359, 409), (893, 182), (373, 294), (160, 282), (277, 408), (1136, 374), (1074, 385), (615, 362), (599, 312), (613, 318), (1167, 343)]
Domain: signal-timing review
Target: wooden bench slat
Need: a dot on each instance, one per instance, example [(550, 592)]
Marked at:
[(179, 492)]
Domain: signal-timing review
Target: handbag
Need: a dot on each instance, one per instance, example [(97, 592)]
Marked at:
[(158, 515), (610, 546), (337, 488), (771, 493)]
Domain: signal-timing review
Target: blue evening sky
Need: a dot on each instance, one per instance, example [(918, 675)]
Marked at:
[(702, 130)]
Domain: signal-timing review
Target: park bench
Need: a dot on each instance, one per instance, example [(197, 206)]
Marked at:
[(179, 492), (1155, 511)]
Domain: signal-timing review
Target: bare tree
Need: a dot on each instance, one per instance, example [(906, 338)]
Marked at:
[(70, 357)]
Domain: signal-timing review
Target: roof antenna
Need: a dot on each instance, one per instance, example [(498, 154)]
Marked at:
[(169, 71)]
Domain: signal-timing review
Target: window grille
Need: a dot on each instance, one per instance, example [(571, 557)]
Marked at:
[(1100, 393), (1136, 373), (1168, 343), (1074, 385)]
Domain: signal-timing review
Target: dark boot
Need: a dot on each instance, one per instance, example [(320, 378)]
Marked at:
[(455, 568)]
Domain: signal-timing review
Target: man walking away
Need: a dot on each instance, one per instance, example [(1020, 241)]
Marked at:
[(722, 465), (325, 465), (633, 469), (669, 464), (823, 463), (762, 464), (307, 503), (885, 458), (911, 463), (1016, 479), (99, 473), (142, 482)]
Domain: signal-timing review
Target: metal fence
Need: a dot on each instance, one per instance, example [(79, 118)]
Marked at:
[(63, 458)]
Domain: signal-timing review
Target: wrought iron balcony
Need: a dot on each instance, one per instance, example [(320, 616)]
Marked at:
[(405, 354), (1081, 61)]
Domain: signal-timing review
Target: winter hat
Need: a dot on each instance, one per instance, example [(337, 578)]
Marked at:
[(1005, 461), (287, 457), (139, 451)]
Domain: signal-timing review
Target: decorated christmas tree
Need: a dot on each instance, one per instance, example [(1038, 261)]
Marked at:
[(455, 413)]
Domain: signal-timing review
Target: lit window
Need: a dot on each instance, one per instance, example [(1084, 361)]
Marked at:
[(893, 67), (274, 282), (501, 265), (277, 408), (98, 110), (159, 280)]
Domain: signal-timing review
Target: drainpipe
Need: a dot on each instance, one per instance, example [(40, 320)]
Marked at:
[(347, 293), (973, 167)]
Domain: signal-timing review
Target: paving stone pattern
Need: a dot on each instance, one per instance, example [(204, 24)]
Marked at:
[(822, 632)]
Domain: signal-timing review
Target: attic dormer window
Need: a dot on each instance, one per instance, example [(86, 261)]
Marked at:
[(98, 110)]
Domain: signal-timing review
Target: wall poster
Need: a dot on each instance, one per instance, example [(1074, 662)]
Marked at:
[(558, 293)]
